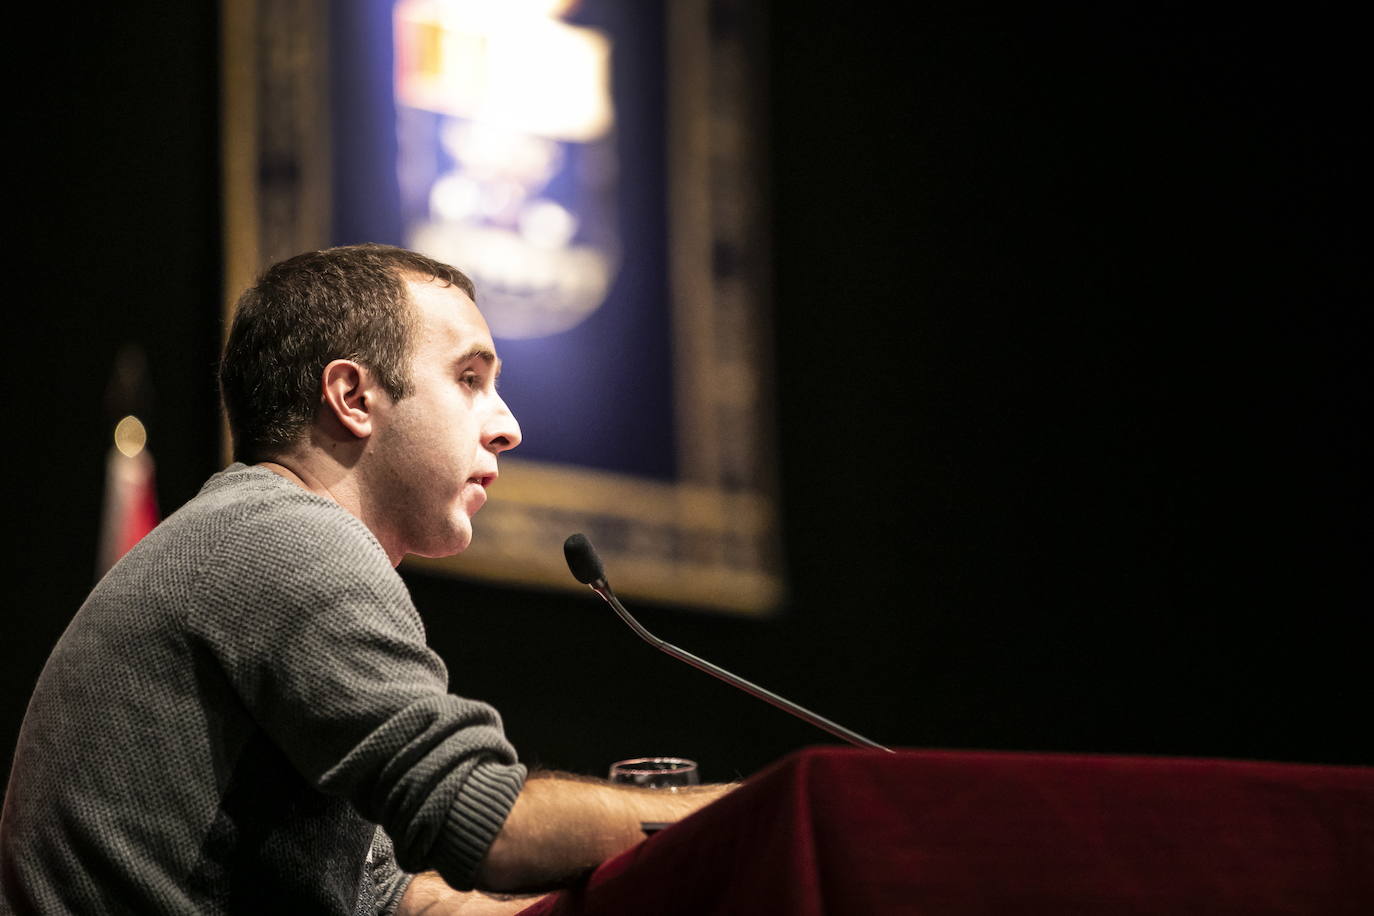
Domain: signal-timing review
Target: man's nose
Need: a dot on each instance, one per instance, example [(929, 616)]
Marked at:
[(503, 431)]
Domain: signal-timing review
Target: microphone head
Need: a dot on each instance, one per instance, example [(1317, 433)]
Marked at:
[(582, 559)]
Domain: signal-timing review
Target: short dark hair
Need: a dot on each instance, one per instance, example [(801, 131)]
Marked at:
[(303, 313)]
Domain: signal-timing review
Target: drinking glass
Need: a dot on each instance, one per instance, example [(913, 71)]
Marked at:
[(656, 772)]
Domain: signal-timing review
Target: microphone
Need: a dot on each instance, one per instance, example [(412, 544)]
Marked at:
[(586, 568)]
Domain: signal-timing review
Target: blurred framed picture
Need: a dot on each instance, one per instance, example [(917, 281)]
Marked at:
[(596, 168)]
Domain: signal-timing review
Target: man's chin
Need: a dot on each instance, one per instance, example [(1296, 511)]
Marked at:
[(458, 541)]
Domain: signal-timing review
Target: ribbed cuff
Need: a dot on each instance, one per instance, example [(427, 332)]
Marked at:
[(388, 903), (474, 820)]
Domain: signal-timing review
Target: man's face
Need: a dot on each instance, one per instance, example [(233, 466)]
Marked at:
[(434, 451)]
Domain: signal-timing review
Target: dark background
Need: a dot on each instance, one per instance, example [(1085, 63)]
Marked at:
[(1071, 325)]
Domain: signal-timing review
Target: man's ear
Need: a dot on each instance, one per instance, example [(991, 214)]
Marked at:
[(350, 395)]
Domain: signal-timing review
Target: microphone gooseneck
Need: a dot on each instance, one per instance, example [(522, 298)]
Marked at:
[(586, 568)]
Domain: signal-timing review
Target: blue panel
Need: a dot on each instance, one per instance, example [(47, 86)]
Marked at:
[(366, 201)]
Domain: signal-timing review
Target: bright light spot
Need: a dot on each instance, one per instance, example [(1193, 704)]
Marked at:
[(547, 225), (508, 64), (455, 197), (503, 10), (527, 291), (487, 152), (130, 437)]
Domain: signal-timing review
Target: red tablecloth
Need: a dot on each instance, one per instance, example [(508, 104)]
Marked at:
[(848, 831)]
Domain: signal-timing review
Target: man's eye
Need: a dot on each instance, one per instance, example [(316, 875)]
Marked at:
[(471, 379)]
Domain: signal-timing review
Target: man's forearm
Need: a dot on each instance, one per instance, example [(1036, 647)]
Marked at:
[(428, 895), (562, 825)]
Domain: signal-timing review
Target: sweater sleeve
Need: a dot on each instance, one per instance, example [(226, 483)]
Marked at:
[(303, 613), (385, 883)]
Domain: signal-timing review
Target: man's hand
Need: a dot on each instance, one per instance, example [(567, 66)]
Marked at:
[(562, 825), (428, 895)]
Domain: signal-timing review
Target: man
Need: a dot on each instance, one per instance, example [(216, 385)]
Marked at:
[(249, 691)]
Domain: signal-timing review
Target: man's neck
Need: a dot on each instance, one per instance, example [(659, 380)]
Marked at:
[(300, 475), (339, 487)]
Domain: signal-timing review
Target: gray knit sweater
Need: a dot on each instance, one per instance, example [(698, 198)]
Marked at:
[(237, 703)]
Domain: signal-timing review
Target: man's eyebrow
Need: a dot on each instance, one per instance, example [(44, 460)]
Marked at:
[(482, 353)]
